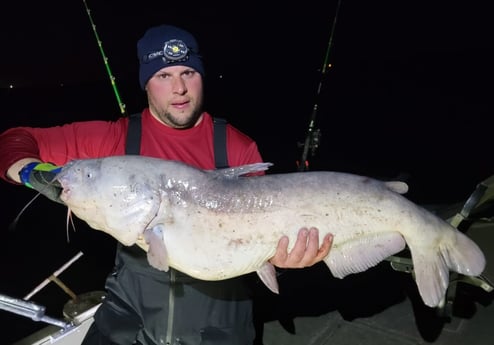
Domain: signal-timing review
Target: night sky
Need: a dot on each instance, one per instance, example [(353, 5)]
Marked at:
[(409, 93)]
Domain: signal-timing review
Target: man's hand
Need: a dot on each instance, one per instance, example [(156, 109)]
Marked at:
[(41, 177), (306, 251)]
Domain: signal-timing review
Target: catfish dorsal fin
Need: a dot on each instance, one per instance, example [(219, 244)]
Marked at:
[(235, 172), (397, 186)]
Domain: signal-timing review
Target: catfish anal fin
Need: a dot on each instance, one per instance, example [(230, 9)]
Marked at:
[(267, 274)]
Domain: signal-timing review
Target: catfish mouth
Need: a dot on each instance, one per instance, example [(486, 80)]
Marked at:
[(65, 189), (65, 194), (63, 180)]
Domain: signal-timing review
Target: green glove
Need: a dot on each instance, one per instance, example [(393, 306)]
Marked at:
[(41, 177)]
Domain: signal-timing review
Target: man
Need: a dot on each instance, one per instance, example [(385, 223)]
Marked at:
[(144, 305)]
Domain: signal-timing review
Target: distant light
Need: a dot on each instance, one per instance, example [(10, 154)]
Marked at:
[(11, 86), (220, 76)]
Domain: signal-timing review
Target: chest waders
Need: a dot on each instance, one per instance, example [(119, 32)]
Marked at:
[(132, 147), (148, 306)]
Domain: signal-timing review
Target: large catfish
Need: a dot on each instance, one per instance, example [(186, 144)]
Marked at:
[(218, 224)]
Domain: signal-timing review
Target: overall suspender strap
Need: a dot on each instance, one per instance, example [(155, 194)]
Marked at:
[(220, 154), (133, 143)]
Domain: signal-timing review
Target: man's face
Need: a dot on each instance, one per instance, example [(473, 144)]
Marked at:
[(175, 96)]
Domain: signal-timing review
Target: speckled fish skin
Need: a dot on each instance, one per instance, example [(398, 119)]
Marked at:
[(217, 224)]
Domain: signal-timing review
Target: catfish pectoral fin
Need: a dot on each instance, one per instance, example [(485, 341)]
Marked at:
[(157, 253)]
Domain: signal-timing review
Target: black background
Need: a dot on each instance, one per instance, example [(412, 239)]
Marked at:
[(409, 93)]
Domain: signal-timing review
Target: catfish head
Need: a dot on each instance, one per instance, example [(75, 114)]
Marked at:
[(106, 196)]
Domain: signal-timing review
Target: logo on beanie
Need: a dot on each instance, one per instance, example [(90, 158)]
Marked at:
[(173, 51)]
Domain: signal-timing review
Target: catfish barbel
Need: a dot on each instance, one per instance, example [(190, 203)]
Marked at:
[(218, 224)]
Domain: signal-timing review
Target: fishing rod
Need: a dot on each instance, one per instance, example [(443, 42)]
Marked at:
[(312, 139), (105, 60)]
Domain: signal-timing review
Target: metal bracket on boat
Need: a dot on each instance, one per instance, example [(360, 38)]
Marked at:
[(31, 310), (401, 264)]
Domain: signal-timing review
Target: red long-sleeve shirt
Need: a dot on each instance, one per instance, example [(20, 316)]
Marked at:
[(93, 139)]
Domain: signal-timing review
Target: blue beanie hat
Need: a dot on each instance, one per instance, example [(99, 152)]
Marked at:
[(166, 45)]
